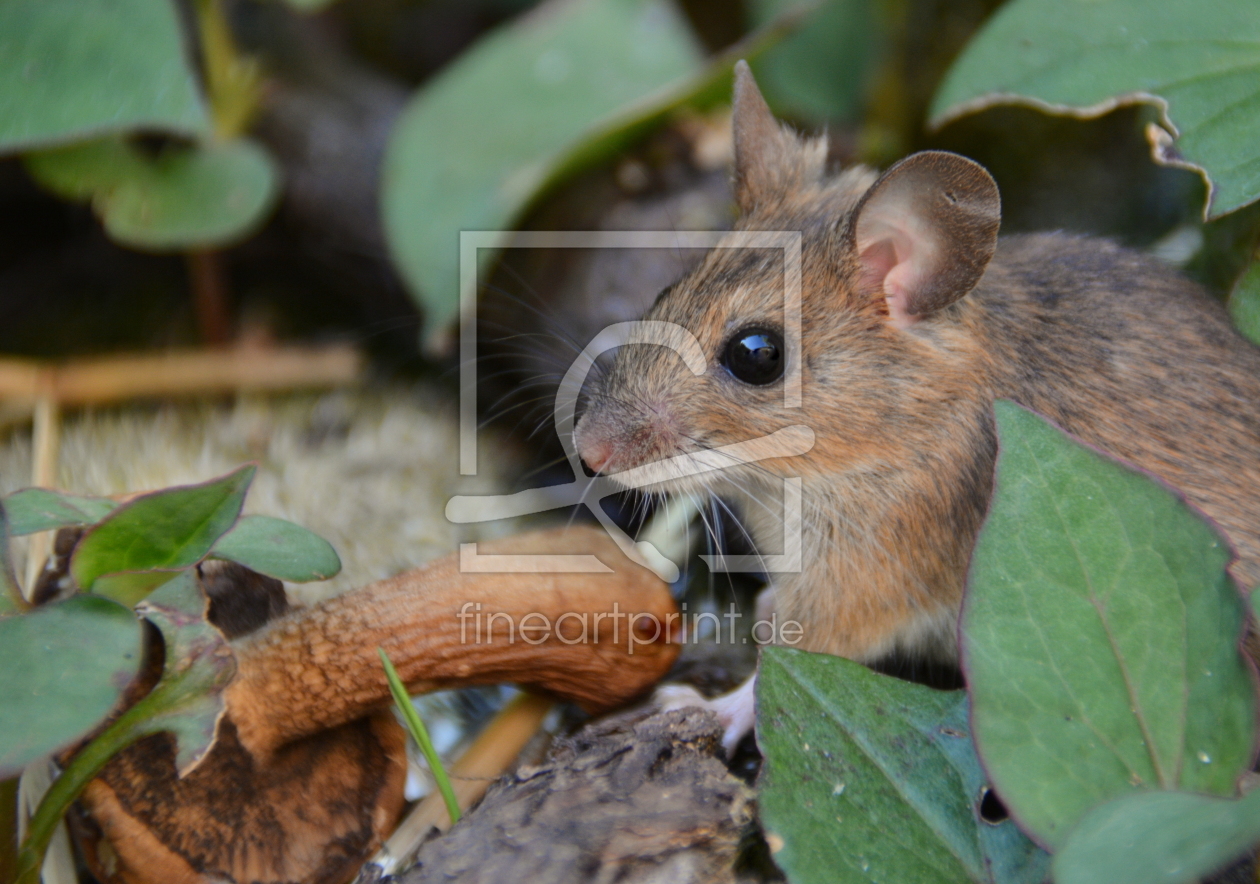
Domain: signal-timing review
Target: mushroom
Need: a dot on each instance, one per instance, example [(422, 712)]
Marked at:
[(305, 777)]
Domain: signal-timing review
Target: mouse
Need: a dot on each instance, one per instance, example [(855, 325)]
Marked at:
[(915, 316)]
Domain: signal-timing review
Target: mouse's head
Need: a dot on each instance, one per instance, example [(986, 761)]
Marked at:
[(882, 345)]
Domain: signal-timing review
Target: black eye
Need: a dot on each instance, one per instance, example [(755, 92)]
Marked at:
[(755, 355)]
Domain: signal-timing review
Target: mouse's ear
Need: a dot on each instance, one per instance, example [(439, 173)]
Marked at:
[(925, 232), (768, 158)]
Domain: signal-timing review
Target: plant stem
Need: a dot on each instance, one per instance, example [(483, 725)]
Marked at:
[(421, 735), (210, 297), (125, 730)]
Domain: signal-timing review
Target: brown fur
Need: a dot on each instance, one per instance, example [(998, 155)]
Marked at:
[(1112, 345)]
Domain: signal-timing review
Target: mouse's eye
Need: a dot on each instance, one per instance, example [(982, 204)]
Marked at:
[(755, 355)]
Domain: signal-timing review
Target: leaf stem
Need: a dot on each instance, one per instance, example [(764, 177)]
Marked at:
[(232, 80), (421, 736)]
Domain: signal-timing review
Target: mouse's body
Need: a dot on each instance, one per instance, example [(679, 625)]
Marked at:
[(915, 318)]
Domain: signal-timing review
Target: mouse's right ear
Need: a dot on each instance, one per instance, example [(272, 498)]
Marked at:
[(924, 233)]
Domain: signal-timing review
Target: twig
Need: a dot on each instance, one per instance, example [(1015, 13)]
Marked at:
[(46, 442), (179, 373)]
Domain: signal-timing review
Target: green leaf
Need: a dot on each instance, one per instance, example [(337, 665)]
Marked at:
[(477, 143), (204, 196), (710, 86), (1099, 635), (820, 72), (1158, 838), (39, 509), (129, 587), (279, 549), (198, 666), (72, 69), (869, 778), (1197, 61), (169, 529), (1244, 304), (65, 666)]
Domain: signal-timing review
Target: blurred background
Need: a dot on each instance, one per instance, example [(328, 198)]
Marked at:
[(229, 229)]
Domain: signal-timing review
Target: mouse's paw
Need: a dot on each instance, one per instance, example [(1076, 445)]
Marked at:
[(735, 711), (670, 697)]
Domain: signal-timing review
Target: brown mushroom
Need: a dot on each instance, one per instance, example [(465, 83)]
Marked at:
[(306, 775)]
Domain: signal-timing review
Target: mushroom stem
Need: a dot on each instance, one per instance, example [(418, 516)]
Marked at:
[(597, 639)]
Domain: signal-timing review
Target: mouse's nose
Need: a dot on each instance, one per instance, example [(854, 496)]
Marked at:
[(596, 453)]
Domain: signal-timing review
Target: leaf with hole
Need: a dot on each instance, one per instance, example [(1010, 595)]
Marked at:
[(165, 530), (1100, 635), (40, 509), (279, 549), (65, 667), (870, 778), (72, 70), (198, 666), (200, 196), (1158, 838), (1195, 61)]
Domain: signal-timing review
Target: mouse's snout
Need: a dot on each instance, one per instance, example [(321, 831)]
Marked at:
[(610, 440), (596, 454)]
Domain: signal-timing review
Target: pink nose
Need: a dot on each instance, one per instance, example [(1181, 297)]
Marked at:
[(596, 453)]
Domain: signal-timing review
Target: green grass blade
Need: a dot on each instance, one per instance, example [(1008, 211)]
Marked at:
[(421, 735)]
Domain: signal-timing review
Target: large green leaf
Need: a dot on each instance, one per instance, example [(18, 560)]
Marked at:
[(1198, 60), (821, 72), (477, 143), (1158, 838), (278, 548), (1100, 635), (40, 509), (73, 69), (169, 529), (203, 196), (869, 778), (65, 666)]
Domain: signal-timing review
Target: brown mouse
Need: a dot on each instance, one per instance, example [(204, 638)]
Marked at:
[(915, 317)]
